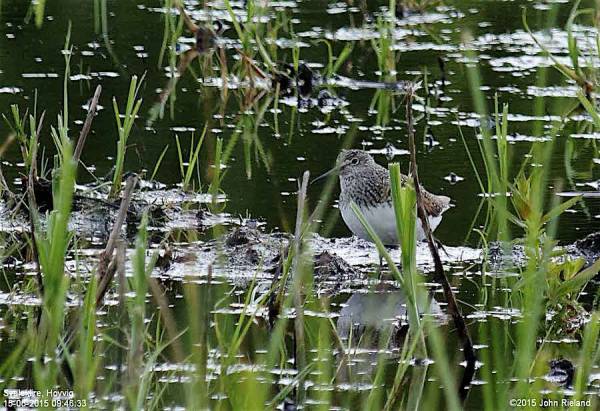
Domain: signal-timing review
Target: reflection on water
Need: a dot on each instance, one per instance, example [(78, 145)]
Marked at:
[(371, 324)]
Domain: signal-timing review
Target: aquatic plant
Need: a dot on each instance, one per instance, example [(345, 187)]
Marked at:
[(334, 63), (189, 165), (124, 127), (52, 247), (39, 11), (25, 133), (119, 330), (538, 287), (585, 77), (383, 47)]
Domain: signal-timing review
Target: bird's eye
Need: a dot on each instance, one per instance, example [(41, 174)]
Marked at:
[(354, 161)]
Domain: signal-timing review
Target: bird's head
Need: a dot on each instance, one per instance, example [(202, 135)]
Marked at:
[(353, 161), (349, 162)]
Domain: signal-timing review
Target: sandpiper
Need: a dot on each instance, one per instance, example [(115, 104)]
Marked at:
[(367, 184)]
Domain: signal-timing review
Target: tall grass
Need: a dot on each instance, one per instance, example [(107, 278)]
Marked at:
[(303, 355), (39, 12), (189, 166), (53, 245), (100, 17), (138, 362), (124, 127), (26, 138), (521, 358)]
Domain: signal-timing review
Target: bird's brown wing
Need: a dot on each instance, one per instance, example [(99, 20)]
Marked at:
[(434, 205)]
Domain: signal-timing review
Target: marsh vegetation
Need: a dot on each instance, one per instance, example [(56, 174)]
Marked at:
[(161, 246)]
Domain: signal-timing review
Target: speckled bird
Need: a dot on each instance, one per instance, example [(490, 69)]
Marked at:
[(367, 184)]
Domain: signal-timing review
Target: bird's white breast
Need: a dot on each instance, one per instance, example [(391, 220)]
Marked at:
[(383, 221)]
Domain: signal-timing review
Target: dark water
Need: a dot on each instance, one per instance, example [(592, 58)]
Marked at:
[(260, 179), (508, 63)]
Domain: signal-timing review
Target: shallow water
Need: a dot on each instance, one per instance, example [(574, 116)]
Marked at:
[(260, 185), (268, 156)]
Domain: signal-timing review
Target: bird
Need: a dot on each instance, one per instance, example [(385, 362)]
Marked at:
[(367, 184)]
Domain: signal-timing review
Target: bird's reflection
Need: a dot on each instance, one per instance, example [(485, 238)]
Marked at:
[(373, 324)]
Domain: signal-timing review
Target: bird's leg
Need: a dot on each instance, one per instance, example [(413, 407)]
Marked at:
[(389, 248)]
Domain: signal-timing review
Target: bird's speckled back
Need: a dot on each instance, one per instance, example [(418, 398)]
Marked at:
[(367, 183)]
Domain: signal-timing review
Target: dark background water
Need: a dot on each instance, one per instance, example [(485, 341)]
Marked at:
[(135, 36)]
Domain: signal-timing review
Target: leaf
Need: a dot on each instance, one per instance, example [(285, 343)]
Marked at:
[(578, 281), (571, 40), (503, 212), (344, 54), (589, 108), (559, 209)]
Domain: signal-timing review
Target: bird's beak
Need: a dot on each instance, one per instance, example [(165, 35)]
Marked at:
[(322, 176)]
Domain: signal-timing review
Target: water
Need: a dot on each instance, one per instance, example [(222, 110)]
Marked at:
[(267, 157), (507, 58)]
